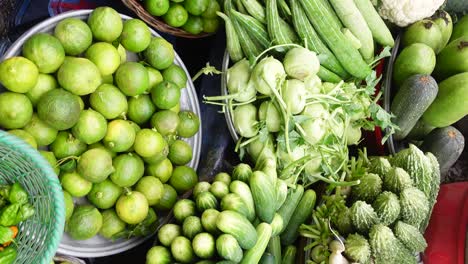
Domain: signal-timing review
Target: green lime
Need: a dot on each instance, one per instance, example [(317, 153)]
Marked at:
[(122, 53), (175, 74), (79, 76), (148, 143), (155, 77), (157, 7), (59, 108), (160, 53), (140, 108), (85, 222), (180, 152), (66, 145), (196, 7), (176, 16), (165, 95), (74, 34), (158, 254), (132, 78), (105, 23), (45, 51), (152, 188), (213, 7), (158, 157), (18, 74), (194, 25), (165, 122), (15, 110), (161, 170), (105, 56), (44, 84), (76, 185), (120, 136), (132, 207), (111, 224), (41, 131), (69, 205), (129, 168), (104, 195), (101, 146), (49, 156), (136, 35), (168, 198), (176, 108), (135, 126), (95, 165), (189, 124), (91, 127), (109, 79), (25, 136), (81, 103), (109, 101), (210, 25), (183, 178)]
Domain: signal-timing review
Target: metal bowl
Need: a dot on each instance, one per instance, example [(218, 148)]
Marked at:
[(98, 246), (224, 91)]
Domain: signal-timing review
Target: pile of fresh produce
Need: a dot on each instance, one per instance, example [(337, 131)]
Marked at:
[(384, 217), (111, 128), (245, 217), (193, 16), (431, 85), (14, 209)]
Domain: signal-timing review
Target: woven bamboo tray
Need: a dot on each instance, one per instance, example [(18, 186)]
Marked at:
[(157, 23)]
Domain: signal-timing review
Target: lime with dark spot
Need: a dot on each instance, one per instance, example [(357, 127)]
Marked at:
[(75, 184), (45, 51), (129, 168), (65, 145), (189, 124), (104, 56), (165, 95), (105, 23), (15, 110), (175, 74), (104, 195), (18, 74), (91, 127), (59, 108), (42, 132), (193, 25), (109, 101), (45, 83), (132, 78), (74, 34), (183, 178), (25, 136), (160, 53), (166, 122), (196, 7), (95, 165), (140, 108), (120, 136), (135, 36)]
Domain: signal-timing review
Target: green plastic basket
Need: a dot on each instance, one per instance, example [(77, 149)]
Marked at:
[(40, 235)]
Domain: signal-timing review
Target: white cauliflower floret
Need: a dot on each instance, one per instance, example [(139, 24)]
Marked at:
[(405, 12)]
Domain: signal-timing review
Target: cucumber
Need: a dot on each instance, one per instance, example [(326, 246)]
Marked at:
[(444, 21), (328, 76), (274, 248), (242, 189), (411, 101), (264, 196), (420, 130), (267, 258), (235, 224), (453, 59), (446, 144), (460, 29), (417, 58), (302, 212), (289, 256), (228, 248), (234, 202), (451, 103), (277, 225), (281, 193), (292, 200), (424, 31), (254, 254)]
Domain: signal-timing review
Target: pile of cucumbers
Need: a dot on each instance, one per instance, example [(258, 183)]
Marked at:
[(430, 79)]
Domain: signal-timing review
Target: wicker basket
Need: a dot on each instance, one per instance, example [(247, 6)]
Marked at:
[(157, 23), (40, 235)]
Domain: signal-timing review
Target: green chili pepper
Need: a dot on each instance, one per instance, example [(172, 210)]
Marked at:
[(8, 255), (6, 234), (25, 211), (9, 214), (18, 194), (5, 191)]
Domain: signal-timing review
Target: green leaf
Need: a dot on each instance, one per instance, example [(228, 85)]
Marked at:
[(6, 234)]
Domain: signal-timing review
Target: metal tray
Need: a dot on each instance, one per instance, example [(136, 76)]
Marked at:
[(98, 246), (224, 91)]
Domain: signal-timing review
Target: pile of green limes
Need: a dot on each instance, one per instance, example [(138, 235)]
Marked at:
[(193, 16), (112, 129)]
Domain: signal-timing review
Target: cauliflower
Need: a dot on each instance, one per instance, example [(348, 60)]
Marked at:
[(405, 12)]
